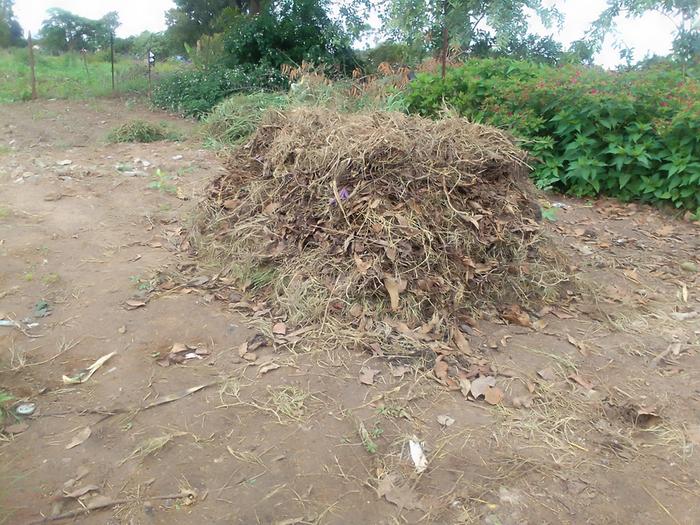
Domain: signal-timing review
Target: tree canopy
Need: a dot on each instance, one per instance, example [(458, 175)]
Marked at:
[(421, 23), (289, 31), (10, 30), (685, 15), (65, 31)]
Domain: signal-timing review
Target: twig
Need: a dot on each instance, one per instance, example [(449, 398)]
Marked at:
[(111, 503)]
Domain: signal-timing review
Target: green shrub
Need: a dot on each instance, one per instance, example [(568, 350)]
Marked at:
[(234, 119), (141, 131), (196, 92), (634, 135)]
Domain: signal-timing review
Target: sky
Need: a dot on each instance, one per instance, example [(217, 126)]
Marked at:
[(647, 35)]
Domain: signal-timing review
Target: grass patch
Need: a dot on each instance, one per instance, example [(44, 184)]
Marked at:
[(141, 131), (72, 76), (236, 118), (5, 398)]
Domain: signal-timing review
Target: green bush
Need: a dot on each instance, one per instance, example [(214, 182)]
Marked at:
[(234, 119), (633, 135), (196, 92)]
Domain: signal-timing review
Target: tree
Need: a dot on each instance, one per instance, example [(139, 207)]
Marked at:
[(289, 32), (685, 15), (190, 19), (437, 24), (65, 31), (10, 30)]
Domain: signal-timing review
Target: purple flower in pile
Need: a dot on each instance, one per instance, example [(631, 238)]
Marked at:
[(344, 194)]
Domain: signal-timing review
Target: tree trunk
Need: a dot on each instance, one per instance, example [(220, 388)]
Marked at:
[(445, 37), (254, 7)]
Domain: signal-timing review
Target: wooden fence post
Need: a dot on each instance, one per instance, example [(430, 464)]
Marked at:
[(31, 66)]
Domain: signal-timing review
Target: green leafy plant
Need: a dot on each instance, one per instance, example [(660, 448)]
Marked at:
[(161, 182), (632, 135), (194, 93), (5, 398)]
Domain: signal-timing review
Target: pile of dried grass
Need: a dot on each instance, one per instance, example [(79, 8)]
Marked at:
[(362, 222)]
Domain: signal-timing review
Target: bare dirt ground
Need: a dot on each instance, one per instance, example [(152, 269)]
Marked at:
[(600, 422)]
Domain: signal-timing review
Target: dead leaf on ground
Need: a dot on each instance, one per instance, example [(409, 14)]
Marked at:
[(562, 314), (362, 266), (402, 496), (547, 374), (440, 369), (394, 288), (515, 315), (367, 375), (539, 325), (461, 342), (132, 304), (279, 329), (580, 381), (577, 344), (481, 384), (684, 316), (465, 386), (493, 395), (269, 367), (79, 438), (399, 371), (17, 428), (243, 349), (79, 493), (445, 421)]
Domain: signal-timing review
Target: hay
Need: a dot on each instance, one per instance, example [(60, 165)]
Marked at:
[(356, 219)]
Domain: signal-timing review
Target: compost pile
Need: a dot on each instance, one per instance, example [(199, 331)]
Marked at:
[(377, 222)]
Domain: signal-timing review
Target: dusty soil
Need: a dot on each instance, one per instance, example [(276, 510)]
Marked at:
[(599, 424)]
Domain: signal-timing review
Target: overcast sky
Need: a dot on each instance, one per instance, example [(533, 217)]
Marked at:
[(650, 34)]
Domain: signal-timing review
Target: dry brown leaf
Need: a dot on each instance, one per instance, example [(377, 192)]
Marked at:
[(279, 329), (243, 349), (493, 395), (362, 266), (79, 438), (547, 374), (440, 369), (399, 371), (481, 384), (270, 208), (250, 356), (465, 386), (17, 428), (580, 381), (133, 304), (78, 493), (367, 375), (515, 315), (403, 497), (539, 325), (394, 288), (445, 421), (561, 314), (578, 344), (461, 342), (269, 367)]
